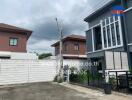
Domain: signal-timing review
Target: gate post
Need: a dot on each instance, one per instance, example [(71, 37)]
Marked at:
[(68, 75), (127, 80), (88, 76)]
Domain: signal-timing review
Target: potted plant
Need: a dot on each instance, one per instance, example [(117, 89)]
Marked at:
[(107, 88), (107, 85)]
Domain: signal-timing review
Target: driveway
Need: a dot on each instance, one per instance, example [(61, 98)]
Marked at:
[(40, 91), (44, 91)]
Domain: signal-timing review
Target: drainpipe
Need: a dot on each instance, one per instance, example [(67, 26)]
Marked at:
[(125, 36)]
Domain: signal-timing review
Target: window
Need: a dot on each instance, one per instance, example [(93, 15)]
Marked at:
[(118, 34), (111, 32), (107, 34), (113, 35), (65, 47), (97, 37), (76, 47), (111, 19), (109, 38), (13, 41), (104, 33)]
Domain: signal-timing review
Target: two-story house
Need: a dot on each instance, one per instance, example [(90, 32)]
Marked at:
[(109, 37), (13, 42), (73, 51), (74, 47)]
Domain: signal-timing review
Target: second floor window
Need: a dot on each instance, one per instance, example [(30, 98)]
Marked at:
[(112, 32), (76, 47), (65, 47), (13, 41)]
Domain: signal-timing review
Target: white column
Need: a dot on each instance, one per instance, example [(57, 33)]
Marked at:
[(115, 30), (102, 35), (93, 40), (68, 75), (110, 32), (106, 33), (120, 30)]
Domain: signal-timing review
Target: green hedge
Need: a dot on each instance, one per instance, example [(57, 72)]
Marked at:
[(82, 76)]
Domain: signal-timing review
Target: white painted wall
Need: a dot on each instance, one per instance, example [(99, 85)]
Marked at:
[(23, 56), (78, 63), (26, 71), (18, 55)]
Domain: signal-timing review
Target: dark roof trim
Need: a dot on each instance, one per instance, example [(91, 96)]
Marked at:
[(100, 11), (14, 29), (71, 37)]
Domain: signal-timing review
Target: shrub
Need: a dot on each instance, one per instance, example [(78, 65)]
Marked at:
[(112, 81), (58, 79), (74, 77), (80, 77)]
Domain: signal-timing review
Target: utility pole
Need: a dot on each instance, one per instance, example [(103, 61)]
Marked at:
[(60, 51)]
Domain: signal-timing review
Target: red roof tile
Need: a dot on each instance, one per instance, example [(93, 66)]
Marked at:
[(10, 27), (72, 37)]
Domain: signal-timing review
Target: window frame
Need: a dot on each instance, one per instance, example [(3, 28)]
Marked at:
[(112, 21), (65, 47), (78, 48), (13, 38), (115, 32)]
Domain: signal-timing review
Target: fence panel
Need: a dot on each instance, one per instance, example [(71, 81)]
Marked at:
[(45, 71), (24, 71)]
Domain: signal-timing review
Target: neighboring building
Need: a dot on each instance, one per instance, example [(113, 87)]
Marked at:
[(74, 46), (74, 51), (13, 42), (109, 38)]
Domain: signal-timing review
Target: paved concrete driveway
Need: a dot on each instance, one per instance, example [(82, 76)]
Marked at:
[(53, 91), (41, 91)]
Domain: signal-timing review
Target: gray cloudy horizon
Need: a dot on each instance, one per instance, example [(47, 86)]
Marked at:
[(39, 16)]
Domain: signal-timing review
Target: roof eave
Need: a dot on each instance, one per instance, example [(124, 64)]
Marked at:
[(88, 18)]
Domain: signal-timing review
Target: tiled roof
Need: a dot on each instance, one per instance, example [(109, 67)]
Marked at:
[(76, 36), (72, 37), (10, 27)]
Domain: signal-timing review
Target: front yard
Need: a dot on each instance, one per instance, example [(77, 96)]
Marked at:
[(53, 91), (40, 91)]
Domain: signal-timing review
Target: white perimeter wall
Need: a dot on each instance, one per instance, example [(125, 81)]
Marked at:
[(15, 55), (26, 71), (78, 63)]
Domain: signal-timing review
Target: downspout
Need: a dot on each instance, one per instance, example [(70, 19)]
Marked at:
[(125, 36)]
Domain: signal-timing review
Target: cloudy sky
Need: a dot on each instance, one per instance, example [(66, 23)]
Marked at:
[(39, 16)]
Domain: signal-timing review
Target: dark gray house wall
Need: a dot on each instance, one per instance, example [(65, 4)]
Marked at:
[(129, 3), (102, 15), (105, 14), (98, 18), (129, 25), (128, 16), (89, 41)]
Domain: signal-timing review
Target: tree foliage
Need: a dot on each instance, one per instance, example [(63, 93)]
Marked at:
[(44, 55)]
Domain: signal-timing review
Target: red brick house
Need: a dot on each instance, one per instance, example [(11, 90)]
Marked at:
[(74, 46), (13, 41)]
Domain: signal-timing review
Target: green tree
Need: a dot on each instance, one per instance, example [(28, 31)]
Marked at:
[(44, 55)]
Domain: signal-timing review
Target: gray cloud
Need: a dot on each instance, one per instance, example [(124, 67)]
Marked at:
[(46, 30), (38, 15)]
